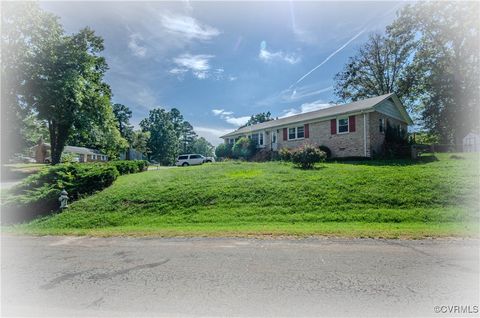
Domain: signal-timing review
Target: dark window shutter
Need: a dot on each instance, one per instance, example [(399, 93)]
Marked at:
[(351, 123), (285, 134), (333, 126), (307, 132)]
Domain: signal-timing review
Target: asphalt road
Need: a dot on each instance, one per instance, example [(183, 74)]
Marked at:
[(80, 276)]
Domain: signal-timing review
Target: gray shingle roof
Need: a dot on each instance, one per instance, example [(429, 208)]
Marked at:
[(317, 114), (78, 150)]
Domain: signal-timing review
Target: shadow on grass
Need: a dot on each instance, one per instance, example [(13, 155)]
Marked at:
[(388, 162), (317, 167)]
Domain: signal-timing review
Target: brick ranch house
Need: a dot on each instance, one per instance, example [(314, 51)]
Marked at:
[(41, 153), (351, 130)]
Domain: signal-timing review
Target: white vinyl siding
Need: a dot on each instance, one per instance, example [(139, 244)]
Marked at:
[(389, 108)]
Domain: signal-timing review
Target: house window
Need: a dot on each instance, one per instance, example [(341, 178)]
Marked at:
[(296, 133), (300, 132), (94, 157), (342, 125), (257, 138), (291, 133), (381, 125)]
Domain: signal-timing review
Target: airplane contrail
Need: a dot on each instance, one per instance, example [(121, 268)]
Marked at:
[(328, 58)]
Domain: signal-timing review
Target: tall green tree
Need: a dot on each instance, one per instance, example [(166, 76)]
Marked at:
[(66, 83), (140, 141), (202, 146), (446, 64), (25, 29), (100, 133), (123, 114), (258, 118), (164, 142), (177, 120), (183, 129), (379, 67), (187, 137)]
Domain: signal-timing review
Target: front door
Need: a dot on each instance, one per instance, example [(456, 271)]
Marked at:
[(274, 140)]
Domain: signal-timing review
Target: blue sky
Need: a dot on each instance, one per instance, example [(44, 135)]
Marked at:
[(220, 62)]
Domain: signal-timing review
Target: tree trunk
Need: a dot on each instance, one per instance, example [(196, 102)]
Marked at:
[(58, 138)]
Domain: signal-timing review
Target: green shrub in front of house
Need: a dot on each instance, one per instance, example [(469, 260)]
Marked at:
[(223, 151), (304, 157), (326, 150), (244, 148), (285, 154), (129, 166)]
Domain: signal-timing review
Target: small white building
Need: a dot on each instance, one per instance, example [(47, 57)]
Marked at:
[(471, 143)]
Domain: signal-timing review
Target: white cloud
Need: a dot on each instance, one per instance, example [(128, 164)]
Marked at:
[(268, 56), (237, 121), (135, 46), (212, 134), (197, 64), (305, 108), (302, 92), (304, 36), (229, 118), (144, 98), (316, 105), (188, 27), (221, 112), (194, 62), (291, 95), (178, 71)]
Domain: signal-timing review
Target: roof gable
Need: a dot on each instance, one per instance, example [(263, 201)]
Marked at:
[(392, 107)]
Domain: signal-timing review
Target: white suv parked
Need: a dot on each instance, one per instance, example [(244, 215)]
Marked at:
[(190, 159)]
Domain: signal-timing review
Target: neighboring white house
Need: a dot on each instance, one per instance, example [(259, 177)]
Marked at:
[(351, 130), (471, 143)]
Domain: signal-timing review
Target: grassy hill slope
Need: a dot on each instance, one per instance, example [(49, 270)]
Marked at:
[(377, 199)]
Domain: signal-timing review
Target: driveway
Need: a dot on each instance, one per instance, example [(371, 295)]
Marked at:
[(81, 276)]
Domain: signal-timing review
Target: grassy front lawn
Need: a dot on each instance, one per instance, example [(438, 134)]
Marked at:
[(365, 199)]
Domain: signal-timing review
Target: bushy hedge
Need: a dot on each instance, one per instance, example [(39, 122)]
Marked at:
[(304, 157), (129, 166), (244, 148), (223, 151), (285, 154), (38, 194), (326, 150)]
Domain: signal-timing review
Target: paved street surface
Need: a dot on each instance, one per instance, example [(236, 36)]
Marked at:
[(4, 185), (80, 276)]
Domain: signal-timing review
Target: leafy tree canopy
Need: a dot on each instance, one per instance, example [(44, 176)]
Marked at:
[(379, 67), (259, 118), (25, 29), (122, 115), (446, 64), (202, 146), (164, 140)]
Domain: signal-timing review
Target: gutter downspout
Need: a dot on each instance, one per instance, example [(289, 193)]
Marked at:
[(365, 134)]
